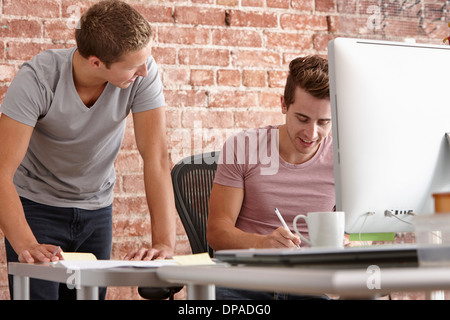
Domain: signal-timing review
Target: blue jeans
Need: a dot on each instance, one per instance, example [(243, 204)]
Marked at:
[(74, 230)]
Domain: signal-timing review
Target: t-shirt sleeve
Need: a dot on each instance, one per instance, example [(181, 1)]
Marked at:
[(149, 93), (230, 170), (26, 98)]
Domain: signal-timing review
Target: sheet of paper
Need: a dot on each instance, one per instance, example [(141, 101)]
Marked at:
[(105, 264), (81, 260)]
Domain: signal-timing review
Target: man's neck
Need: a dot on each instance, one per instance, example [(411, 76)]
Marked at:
[(83, 77), (88, 86)]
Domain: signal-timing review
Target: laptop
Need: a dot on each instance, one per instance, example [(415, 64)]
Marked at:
[(395, 255)]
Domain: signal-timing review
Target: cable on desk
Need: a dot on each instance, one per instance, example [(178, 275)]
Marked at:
[(360, 230)]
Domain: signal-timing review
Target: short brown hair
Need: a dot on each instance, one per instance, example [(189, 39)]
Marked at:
[(110, 29), (309, 73)]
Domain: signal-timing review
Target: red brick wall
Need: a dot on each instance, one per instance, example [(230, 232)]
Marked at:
[(223, 64)]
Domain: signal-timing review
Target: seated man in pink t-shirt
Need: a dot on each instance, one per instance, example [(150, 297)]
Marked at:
[(288, 166)]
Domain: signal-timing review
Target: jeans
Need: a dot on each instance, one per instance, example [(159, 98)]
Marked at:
[(74, 230), (239, 294)]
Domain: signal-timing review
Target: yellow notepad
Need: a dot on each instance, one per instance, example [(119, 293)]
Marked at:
[(194, 259), (78, 256)]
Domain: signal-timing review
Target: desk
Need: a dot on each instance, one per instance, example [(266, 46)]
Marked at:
[(201, 280), (87, 281), (347, 283)]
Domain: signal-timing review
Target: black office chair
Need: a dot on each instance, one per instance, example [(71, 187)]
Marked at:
[(192, 180)]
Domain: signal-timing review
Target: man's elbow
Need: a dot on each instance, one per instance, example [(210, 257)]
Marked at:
[(213, 236)]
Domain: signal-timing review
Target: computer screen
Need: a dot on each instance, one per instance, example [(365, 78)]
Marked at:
[(390, 105)]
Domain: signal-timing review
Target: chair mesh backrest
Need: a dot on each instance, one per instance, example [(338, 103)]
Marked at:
[(192, 180)]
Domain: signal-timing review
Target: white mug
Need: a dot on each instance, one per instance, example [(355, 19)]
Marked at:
[(325, 229)]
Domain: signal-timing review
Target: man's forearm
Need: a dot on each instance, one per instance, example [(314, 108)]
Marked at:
[(160, 199), (12, 218), (221, 237)]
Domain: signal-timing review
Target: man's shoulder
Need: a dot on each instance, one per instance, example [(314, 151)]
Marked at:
[(52, 56), (50, 61), (47, 68)]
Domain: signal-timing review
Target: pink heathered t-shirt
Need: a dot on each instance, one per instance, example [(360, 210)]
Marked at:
[(250, 160)]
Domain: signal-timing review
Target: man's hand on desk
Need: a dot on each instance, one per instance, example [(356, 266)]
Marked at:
[(281, 238), (156, 252), (40, 253)]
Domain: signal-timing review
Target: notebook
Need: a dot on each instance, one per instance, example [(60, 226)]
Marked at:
[(381, 255)]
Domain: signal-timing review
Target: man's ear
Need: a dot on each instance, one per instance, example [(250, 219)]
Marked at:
[(283, 105), (95, 62)]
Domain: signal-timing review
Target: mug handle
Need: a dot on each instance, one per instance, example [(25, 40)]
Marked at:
[(300, 216)]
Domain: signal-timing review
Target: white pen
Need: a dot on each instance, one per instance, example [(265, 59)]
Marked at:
[(280, 217), (56, 251)]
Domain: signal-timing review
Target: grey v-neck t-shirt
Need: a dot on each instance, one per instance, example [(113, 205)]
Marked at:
[(70, 158)]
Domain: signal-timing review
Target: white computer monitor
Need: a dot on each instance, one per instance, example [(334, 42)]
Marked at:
[(390, 106)]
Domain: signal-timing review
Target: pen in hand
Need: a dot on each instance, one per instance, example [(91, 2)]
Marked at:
[(280, 217), (56, 251)]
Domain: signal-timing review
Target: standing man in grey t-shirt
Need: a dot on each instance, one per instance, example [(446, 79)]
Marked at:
[(62, 124)]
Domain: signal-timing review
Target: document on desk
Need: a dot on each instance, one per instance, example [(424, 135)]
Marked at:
[(81, 261), (107, 264)]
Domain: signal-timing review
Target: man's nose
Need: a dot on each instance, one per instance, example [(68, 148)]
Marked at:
[(142, 71), (311, 131)]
